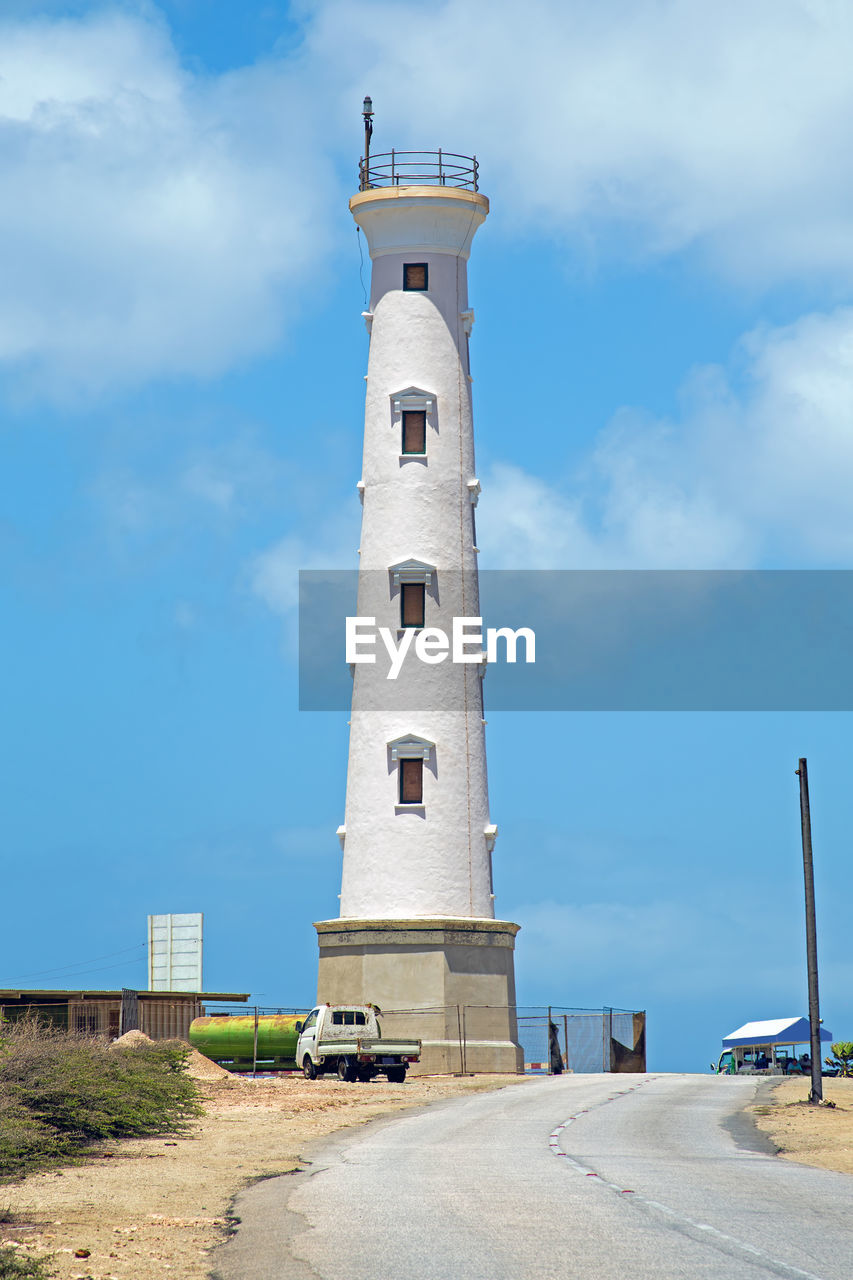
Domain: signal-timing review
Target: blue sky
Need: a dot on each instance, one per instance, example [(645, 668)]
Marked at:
[(663, 362)]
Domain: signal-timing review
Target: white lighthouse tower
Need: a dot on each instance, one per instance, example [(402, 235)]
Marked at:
[(417, 927)]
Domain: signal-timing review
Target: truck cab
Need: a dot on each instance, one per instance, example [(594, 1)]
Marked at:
[(348, 1039), (336, 1024)]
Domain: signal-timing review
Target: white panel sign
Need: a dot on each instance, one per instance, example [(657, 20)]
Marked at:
[(174, 952)]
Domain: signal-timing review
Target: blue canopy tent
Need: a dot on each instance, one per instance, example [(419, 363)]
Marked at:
[(775, 1031)]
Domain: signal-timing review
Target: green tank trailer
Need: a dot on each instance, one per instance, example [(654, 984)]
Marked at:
[(230, 1040)]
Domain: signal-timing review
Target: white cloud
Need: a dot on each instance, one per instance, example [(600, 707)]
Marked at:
[(129, 505), (236, 477), (721, 126), (203, 481), (274, 573), (758, 468), (163, 222), (523, 522), (153, 222), (219, 485)]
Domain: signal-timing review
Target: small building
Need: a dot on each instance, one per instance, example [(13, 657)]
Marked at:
[(162, 1015)]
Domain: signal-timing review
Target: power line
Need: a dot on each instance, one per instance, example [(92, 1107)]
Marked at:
[(77, 963), (81, 973)]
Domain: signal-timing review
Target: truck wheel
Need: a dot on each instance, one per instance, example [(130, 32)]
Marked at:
[(308, 1068), (396, 1075), (347, 1070)]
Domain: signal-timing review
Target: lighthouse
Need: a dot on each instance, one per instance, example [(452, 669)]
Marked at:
[(417, 929)]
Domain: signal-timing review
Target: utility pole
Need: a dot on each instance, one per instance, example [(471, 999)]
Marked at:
[(816, 1095)]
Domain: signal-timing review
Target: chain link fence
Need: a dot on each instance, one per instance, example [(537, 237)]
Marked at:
[(470, 1039), (474, 1039), (557, 1039), (460, 1039)]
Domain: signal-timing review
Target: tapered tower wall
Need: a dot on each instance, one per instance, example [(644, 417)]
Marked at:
[(411, 869)]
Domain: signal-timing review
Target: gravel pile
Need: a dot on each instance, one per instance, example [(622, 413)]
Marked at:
[(131, 1038), (201, 1068)]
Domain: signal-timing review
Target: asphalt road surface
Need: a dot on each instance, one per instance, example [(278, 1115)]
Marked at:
[(566, 1178)]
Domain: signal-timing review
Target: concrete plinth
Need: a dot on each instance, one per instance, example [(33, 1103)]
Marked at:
[(448, 981)]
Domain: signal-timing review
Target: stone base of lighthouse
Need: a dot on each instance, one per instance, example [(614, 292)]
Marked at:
[(448, 981)]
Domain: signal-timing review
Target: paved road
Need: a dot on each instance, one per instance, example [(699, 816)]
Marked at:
[(569, 1178)]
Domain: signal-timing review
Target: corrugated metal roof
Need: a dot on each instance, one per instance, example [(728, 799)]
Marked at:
[(18, 993)]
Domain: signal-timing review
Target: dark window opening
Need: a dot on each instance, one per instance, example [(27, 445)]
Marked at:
[(473, 526), (411, 781), (415, 276), (412, 604), (348, 1018), (414, 431)]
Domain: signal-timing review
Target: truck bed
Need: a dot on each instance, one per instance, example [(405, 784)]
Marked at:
[(380, 1048)]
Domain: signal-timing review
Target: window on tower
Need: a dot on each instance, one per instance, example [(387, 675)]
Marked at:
[(415, 276), (408, 754), (411, 781), (412, 604), (414, 431)]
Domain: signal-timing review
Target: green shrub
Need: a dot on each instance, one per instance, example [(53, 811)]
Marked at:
[(27, 1143), (842, 1057), (61, 1092), (19, 1266)]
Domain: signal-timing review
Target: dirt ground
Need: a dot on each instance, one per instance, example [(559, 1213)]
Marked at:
[(139, 1220), (155, 1207), (821, 1136)]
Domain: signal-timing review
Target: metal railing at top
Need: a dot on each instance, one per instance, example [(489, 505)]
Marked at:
[(418, 168)]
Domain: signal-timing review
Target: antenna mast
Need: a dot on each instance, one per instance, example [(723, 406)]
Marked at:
[(367, 113)]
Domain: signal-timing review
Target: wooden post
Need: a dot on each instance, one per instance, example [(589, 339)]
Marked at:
[(816, 1095)]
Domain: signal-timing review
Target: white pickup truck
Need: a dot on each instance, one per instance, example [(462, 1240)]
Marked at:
[(347, 1038)]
